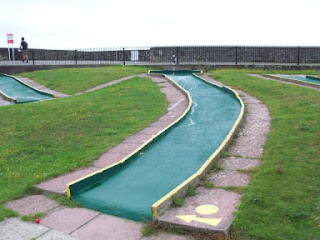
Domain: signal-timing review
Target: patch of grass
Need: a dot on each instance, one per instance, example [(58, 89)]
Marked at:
[(177, 202), (46, 139), (65, 201), (225, 154), (154, 228), (150, 230), (216, 167), (239, 190), (32, 218), (249, 171), (207, 184), (282, 200), (73, 80), (7, 212), (191, 191), (203, 177)]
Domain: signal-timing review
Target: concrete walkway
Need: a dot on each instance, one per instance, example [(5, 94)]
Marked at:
[(286, 80), (41, 87), (209, 211)]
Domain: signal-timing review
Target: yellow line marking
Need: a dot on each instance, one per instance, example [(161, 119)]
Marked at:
[(207, 209), (211, 221), (204, 210)]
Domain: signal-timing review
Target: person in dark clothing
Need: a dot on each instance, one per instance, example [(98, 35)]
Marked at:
[(24, 50)]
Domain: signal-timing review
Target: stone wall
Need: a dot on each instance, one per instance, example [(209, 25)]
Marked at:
[(80, 55), (232, 54), (185, 54)]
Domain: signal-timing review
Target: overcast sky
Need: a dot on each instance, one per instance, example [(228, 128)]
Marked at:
[(74, 24)]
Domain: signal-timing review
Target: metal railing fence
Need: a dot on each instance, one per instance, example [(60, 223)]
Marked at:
[(180, 55)]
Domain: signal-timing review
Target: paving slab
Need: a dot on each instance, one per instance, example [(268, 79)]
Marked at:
[(152, 130), (236, 163), (182, 103), (171, 117), (68, 220), (246, 150), (58, 184), (138, 138), (248, 146), (209, 211), (41, 87), (32, 204), (226, 178), (15, 229), (125, 148), (166, 236), (164, 84), (56, 235), (249, 99), (105, 227), (162, 124), (108, 159), (4, 102)]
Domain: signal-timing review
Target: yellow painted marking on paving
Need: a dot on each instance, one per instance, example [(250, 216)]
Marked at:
[(207, 209), (211, 221), (204, 210)]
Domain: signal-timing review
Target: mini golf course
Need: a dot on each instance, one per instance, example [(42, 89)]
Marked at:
[(16, 91), (129, 188)]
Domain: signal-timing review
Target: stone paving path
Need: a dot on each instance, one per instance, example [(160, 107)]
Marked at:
[(41, 87), (4, 102), (286, 80), (209, 211)]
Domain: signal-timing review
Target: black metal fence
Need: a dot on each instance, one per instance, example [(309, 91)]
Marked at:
[(180, 55)]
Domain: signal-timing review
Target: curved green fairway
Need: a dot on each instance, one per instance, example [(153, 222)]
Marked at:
[(130, 190), (19, 91), (283, 198)]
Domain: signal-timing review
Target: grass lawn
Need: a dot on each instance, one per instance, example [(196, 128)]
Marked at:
[(283, 198), (73, 80), (46, 139)]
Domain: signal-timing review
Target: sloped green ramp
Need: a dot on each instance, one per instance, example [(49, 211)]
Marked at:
[(129, 189), (16, 91)]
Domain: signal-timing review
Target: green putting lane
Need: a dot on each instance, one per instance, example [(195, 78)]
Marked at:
[(310, 79), (128, 190), (20, 92)]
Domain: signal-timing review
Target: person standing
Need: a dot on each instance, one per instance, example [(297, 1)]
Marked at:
[(24, 49)]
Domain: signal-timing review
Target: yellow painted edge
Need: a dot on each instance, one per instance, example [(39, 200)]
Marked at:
[(142, 146), (201, 170), (29, 85)]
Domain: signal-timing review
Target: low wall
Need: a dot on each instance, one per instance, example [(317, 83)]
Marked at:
[(80, 55), (236, 54), (184, 54)]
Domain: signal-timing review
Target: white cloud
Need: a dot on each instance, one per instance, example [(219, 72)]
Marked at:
[(62, 24)]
